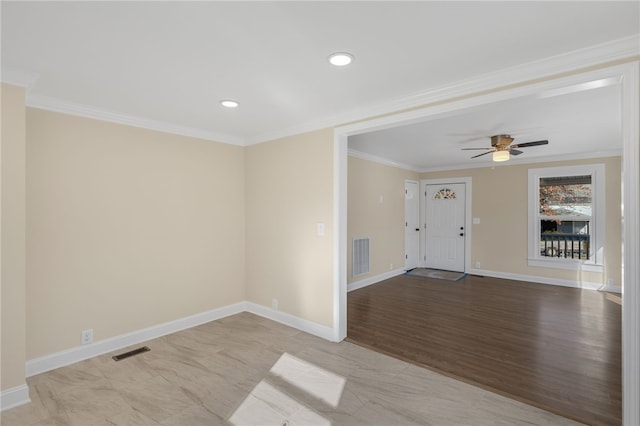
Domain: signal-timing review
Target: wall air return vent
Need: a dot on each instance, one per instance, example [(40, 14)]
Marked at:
[(361, 256)]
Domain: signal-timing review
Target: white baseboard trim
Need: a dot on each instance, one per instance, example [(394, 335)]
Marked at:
[(375, 279), (20, 395), (14, 397), (80, 353), (586, 285), (301, 324)]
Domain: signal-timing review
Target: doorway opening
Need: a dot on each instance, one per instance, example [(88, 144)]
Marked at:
[(627, 75)]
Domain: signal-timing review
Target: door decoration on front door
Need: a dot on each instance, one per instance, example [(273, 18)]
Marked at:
[(444, 194)]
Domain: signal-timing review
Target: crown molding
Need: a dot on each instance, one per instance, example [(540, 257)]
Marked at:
[(481, 165), (66, 107), (627, 48), (380, 160), (18, 77), (518, 162)]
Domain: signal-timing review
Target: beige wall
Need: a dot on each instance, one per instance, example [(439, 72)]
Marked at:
[(12, 163), (495, 249), (289, 189), (382, 222), (499, 242), (126, 228)]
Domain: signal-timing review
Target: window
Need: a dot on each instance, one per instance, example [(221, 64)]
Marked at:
[(565, 214), (566, 217)]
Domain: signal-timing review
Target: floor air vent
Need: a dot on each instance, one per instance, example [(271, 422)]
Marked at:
[(361, 256), (130, 353)]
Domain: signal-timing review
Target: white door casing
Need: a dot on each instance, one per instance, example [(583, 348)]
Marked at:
[(411, 224), (445, 226)]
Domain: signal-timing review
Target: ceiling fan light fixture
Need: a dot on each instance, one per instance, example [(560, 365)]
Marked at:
[(501, 156)]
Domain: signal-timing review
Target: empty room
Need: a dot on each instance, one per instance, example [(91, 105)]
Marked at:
[(320, 213)]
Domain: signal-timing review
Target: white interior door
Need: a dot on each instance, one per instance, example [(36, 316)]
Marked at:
[(445, 226), (411, 224)]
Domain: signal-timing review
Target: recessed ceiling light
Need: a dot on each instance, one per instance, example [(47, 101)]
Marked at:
[(341, 59), (229, 103)]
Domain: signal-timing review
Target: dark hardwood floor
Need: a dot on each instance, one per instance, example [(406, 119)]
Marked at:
[(553, 347)]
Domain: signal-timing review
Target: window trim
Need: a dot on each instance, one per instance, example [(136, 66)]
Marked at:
[(597, 232)]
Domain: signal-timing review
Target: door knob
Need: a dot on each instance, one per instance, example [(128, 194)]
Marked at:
[(417, 229), (461, 228), (461, 234)]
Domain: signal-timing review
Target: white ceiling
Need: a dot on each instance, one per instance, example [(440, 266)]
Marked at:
[(578, 123), (171, 62)]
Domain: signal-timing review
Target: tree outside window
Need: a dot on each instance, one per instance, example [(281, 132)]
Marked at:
[(565, 212)]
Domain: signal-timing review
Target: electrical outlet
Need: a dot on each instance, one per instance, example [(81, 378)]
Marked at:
[(477, 265), (274, 304), (391, 266), (87, 337)]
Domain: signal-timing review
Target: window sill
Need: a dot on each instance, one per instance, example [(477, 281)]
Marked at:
[(574, 265)]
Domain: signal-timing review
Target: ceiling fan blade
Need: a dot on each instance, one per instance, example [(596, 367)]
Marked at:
[(515, 152), (526, 144), (470, 149), (484, 153)]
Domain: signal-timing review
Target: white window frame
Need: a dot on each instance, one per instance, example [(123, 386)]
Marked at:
[(595, 263)]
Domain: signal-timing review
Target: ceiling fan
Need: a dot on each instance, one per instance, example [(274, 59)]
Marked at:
[(502, 149)]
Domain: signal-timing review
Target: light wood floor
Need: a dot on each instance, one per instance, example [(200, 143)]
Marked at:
[(245, 369), (553, 347)]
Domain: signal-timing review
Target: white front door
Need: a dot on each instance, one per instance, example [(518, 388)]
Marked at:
[(411, 225), (445, 222)]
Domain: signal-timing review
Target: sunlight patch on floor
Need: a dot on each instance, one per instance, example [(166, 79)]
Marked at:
[(320, 383), (267, 405)]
